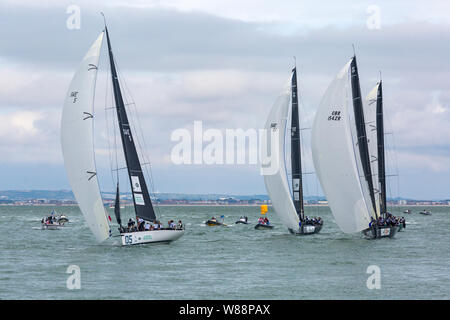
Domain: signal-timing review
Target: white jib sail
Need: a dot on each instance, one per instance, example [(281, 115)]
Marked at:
[(370, 117), (334, 156), (78, 143), (274, 167)]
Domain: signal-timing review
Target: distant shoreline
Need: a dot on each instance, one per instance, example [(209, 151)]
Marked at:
[(208, 205)]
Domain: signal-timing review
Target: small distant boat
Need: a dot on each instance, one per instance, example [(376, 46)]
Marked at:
[(51, 226), (50, 223), (62, 219), (407, 211), (243, 220), (262, 226), (425, 212), (263, 223), (213, 222)]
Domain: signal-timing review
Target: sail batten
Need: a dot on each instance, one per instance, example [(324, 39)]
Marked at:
[(77, 141), (141, 198)]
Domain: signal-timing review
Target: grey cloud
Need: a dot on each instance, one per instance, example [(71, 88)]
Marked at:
[(164, 46)]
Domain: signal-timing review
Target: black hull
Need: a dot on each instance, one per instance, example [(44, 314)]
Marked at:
[(260, 226), (380, 232), (425, 213), (307, 230), (238, 222), (213, 223)]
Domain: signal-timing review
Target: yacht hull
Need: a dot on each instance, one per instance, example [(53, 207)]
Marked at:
[(380, 232), (306, 230), (154, 236), (261, 226)]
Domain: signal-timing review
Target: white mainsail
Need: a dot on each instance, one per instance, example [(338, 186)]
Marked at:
[(78, 144), (370, 116), (335, 156), (274, 171)]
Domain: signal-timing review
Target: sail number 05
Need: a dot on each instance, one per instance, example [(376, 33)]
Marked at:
[(129, 239)]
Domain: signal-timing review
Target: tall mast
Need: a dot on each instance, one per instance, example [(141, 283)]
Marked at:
[(381, 157), (296, 161), (361, 131), (141, 198)]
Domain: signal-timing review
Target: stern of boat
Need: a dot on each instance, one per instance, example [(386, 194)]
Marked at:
[(380, 232)]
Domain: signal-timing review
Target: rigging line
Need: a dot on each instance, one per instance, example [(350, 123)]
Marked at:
[(135, 119), (134, 114), (304, 117), (139, 137), (115, 128), (113, 153), (118, 169), (393, 152), (107, 126)]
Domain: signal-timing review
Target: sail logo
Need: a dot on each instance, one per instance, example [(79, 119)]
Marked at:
[(231, 147), (73, 95), (335, 116), (127, 133), (293, 131), (296, 184), (136, 184), (139, 199)]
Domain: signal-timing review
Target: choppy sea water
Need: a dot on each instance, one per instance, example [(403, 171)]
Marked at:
[(234, 262)]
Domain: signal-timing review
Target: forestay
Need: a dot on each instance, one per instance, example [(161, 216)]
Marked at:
[(78, 145), (334, 156)]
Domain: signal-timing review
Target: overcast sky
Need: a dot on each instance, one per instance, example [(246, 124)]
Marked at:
[(224, 62)]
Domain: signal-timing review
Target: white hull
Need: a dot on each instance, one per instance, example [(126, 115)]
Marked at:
[(51, 226), (307, 229), (142, 237)]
